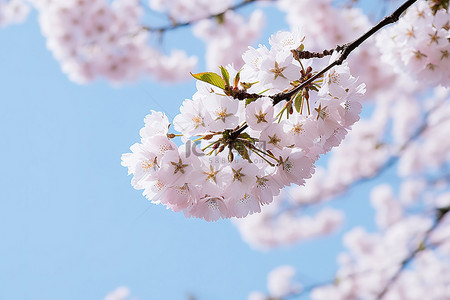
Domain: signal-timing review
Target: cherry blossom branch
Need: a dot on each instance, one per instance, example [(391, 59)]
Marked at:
[(345, 50), (440, 213), (440, 216), (174, 26)]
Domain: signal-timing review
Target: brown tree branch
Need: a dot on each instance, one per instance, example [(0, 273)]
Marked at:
[(304, 54), (345, 51)]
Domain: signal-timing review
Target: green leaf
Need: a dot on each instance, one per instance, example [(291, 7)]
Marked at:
[(298, 101), (314, 88), (220, 19), (301, 48), (244, 135), (225, 75), (247, 137), (242, 150), (237, 78), (422, 246), (249, 100), (211, 78)]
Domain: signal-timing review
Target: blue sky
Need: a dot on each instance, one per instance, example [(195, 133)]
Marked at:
[(71, 225)]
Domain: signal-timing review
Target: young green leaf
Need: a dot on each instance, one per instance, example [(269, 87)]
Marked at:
[(298, 101), (211, 78), (314, 88), (225, 75), (237, 78), (249, 100), (247, 137), (242, 150)]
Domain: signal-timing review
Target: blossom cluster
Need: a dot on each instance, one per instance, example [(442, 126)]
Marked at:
[(115, 40), (278, 224), (226, 36), (419, 43), (237, 155), (373, 259), (393, 132), (12, 12), (184, 11), (407, 259), (328, 26), (229, 37), (280, 283), (94, 39)]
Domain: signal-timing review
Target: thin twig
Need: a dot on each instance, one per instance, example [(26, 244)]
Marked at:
[(163, 29)]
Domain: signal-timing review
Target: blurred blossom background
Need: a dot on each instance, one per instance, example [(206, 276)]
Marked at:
[(72, 226)]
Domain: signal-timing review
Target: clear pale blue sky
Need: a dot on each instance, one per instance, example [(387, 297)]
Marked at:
[(71, 225)]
